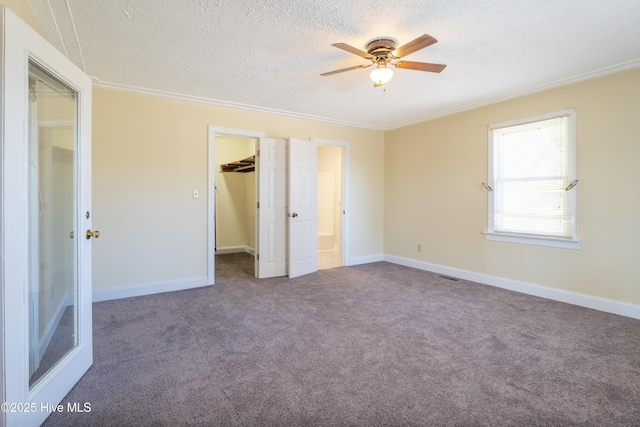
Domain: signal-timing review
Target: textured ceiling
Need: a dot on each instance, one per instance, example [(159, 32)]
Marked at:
[(267, 55)]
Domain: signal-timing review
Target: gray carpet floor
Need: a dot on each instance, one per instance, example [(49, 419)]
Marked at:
[(371, 345)]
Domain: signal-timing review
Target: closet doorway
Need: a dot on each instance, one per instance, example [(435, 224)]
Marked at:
[(235, 194), (235, 209)]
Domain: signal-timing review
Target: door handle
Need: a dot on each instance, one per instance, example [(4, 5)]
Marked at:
[(94, 234), (294, 215)]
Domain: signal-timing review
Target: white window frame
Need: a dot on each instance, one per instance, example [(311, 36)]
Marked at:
[(538, 240)]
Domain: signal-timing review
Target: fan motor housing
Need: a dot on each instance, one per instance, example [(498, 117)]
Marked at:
[(381, 47)]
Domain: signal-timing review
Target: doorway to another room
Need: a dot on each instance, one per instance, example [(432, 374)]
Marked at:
[(330, 210)]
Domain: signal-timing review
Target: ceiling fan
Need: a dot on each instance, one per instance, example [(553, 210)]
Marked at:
[(382, 51)]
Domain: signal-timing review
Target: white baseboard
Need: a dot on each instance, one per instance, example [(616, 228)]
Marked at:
[(149, 288), (235, 250), (365, 259), (575, 298)]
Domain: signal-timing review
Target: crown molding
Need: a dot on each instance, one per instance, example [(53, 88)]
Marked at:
[(227, 104), (600, 72)]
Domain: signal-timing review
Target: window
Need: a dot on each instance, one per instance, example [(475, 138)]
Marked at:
[(531, 173)]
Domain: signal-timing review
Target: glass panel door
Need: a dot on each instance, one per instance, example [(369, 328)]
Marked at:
[(46, 222), (53, 279)]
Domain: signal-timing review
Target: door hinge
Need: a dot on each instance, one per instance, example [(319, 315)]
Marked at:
[(258, 153), (258, 205), (258, 257)]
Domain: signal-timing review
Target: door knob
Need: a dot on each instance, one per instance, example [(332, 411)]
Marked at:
[(94, 234), (294, 215)]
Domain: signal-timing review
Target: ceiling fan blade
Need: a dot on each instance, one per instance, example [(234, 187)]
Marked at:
[(415, 45), (352, 49), (345, 69), (420, 66)]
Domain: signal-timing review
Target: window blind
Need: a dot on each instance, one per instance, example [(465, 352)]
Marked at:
[(531, 168)]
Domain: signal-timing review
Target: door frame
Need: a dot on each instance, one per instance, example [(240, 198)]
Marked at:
[(211, 182), (345, 193), (23, 45)]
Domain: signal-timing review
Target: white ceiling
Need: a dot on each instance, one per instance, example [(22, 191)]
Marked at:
[(267, 55)]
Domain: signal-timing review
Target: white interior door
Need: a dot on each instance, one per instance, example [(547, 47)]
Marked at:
[(272, 211), (303, 228), (46, 200)]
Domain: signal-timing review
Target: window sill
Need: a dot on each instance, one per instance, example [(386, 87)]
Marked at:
[(533, 240)]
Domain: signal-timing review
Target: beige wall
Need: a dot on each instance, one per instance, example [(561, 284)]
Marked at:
[(149, 153), (433, 194)]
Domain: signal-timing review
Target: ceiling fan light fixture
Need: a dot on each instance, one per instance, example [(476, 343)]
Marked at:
[(381, 75), (382, 51)]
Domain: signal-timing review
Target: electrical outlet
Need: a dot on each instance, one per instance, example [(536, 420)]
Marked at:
[(196, 194), (419, 247)]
